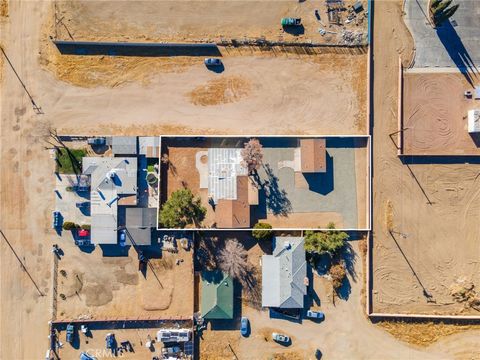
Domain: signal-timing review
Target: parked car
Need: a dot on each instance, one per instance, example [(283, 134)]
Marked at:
[(244, 326), (56, 220), (315, 315), (289, 21), (281, 338), (122, 238), (97, 141), (70, 333), (85, 356), (110, 341), (212, 62)]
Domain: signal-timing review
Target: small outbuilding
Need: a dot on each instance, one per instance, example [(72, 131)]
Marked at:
[(217, 295), (313, 155), (474, 121)]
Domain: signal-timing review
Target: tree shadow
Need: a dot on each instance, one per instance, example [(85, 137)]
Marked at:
[(457, 51), (349, 257), (276, 198)]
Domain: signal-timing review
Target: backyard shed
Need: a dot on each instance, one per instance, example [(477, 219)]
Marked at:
[(217, 295), (474, 121), (313, 155)]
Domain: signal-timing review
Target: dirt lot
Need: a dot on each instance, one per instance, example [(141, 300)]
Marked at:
[(197, 21), (99, 287), (435, 114), (431, 208)]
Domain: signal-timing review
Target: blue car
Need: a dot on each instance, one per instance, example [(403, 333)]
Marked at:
[(123, 238), (244, 326), (212, 62), (86, 356)]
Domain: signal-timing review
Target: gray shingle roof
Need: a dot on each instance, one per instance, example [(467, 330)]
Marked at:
[(139, 223), (124, 145), (283, 274)]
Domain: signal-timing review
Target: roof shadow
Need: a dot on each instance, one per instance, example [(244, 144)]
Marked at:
[(457, 51)]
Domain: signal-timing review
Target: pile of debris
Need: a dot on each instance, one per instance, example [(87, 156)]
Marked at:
[(463, 291), (352, 37)]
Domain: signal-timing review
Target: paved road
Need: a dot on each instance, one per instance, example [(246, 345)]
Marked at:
[(450, 45)]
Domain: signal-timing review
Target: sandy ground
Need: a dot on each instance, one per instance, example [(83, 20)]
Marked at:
[(435, 114), (27, 176), (431, 208), (99, 287), (187, 21), (263, 92)]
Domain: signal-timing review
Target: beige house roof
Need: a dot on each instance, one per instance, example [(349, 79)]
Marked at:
[(313, 155), (234, 213)]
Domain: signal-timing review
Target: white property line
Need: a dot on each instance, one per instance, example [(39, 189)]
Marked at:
[(424, 316), (368, 219)]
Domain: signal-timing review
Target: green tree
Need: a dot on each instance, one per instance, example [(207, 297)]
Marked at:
[(182, 209), (69, 225), (86, 226), (325, 242), (262, 231), (440, 11)]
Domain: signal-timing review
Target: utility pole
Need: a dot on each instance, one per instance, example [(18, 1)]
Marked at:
[(22, 264)]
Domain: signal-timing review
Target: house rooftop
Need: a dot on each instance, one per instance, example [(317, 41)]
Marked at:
[(111, 178), (139, 224), (313, 155), (224, 165), (124, 145), (235, 213), (217, 295), (284, 273)]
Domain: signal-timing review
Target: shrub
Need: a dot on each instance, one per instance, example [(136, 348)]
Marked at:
[(262, 231), (325, 242), (86, 227), (69, 225), (440, 11), (338, 274)]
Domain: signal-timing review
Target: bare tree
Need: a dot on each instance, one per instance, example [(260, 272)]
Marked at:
[(233, 259), (252, 155)]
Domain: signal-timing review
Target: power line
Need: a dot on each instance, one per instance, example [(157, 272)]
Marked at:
[(22, 264)]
